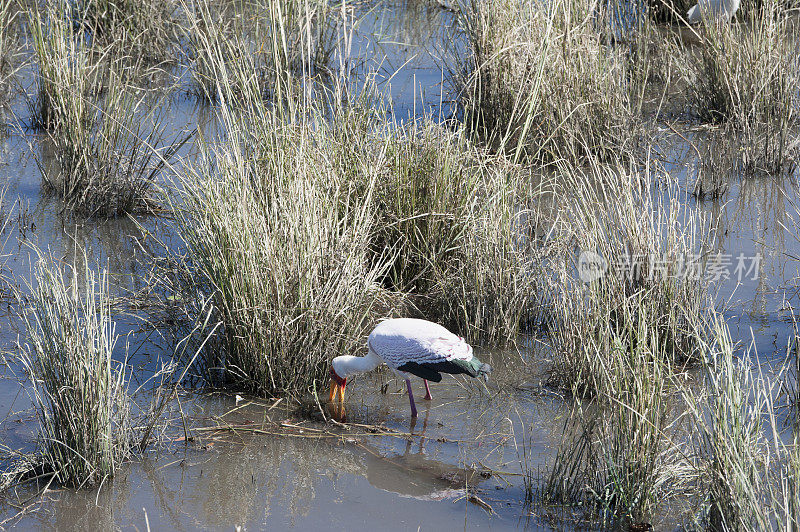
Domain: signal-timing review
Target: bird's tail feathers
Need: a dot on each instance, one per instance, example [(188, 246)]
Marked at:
[(484, 370)]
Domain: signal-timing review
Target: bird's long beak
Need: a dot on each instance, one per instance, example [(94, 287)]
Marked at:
[(338, 385), (334, 391), (336, 395)]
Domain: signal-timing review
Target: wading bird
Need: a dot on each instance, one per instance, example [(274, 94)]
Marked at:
[(722, 10), (409, 347)]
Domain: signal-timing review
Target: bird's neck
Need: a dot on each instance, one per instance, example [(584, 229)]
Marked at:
[(347, 365)]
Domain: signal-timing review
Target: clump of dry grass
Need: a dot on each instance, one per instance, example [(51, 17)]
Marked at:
[(746, 466), (67, 75), (745, 77), (730, 426), (271, 43), (215, 45), (450, 220), (644, 247), (628, 314), (298, 35), (8, 39), (488, 291), (429, 192), (302, 231), (108, 147), (621, 460), (542, 81), (79, 391), (720, 441), (285, 267), (144, 29)]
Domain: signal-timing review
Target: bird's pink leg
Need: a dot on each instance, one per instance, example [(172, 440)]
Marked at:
[(411, 399), (428, 395)]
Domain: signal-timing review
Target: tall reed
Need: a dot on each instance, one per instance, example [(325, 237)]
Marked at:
[(787, 498), (540, 81), (145, 29), (450, 216), (214, 46), (67, 75), (746, 77), (269, 244), (748, 469), (629, 312), (637, 252), (489, 291), (730, 429), (79, 391), (5, 224), (299, 228), (8, 39), (108, 148), (298, 35), (621, 461), (629, 449), (274, 43)]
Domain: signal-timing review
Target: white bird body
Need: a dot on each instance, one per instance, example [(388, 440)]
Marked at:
[(404, 341), (722, 10), (410, 347)]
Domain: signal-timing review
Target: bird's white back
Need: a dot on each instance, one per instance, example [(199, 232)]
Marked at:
[(712, 9), (404, 340)]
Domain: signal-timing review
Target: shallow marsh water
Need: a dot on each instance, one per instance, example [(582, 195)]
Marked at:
[(263, 465)]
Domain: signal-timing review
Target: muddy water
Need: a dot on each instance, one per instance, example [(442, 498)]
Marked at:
[(269, 466), (752, 227), (415, 476)]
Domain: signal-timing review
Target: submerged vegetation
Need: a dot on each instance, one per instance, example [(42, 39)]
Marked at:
[(545, 213)]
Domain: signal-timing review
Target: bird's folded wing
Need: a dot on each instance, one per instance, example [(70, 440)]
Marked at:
[(398, 350)]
